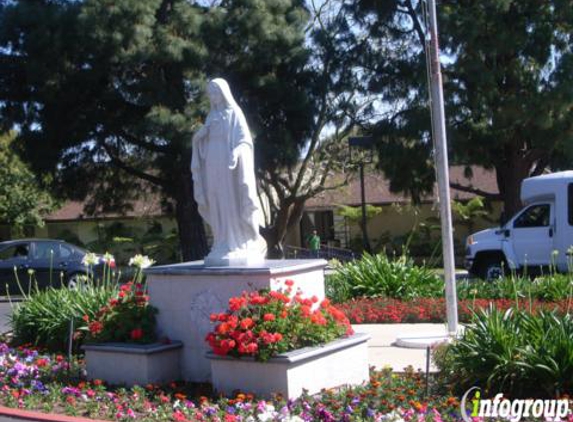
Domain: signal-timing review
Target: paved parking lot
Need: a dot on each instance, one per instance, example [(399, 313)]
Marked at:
[(5, 311)]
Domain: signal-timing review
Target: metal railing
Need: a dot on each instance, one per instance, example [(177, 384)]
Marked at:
[(325, 252)]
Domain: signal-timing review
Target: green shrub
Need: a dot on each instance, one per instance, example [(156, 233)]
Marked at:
[(515, 352), (43, 318), (551, 288), (378, 275)]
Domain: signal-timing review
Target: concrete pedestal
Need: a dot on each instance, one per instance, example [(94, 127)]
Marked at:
[(187, 294), (133, 364)]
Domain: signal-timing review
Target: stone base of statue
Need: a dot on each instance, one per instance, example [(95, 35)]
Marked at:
[(238, 258), (187, 294)]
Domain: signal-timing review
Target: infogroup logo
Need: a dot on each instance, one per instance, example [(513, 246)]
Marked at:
[(512, 410)]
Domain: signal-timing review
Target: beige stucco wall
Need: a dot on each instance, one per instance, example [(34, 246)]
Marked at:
[(395, 222)]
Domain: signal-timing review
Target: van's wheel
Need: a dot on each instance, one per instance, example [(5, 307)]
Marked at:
[(77, 281), (492, 268)]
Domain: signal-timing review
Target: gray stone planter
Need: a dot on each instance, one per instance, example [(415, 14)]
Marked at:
[(341, 362), (133, 364)]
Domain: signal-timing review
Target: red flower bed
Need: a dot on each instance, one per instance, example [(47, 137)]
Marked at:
[(385, 310), (265, 323), (128, 317)]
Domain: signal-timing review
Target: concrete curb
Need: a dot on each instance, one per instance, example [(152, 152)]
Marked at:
[(4, 299), (27, 415)]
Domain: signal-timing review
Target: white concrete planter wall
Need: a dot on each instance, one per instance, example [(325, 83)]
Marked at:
[(341, 362), (133, 364), (187, 294)]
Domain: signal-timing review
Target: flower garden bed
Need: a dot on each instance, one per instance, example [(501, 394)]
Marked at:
[(49, 383), (388, 311)]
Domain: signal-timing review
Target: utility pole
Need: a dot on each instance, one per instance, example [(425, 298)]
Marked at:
[(442, 169), (364, 222), (363, 154)]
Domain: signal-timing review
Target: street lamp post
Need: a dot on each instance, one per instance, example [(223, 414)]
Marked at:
[(364, 146)]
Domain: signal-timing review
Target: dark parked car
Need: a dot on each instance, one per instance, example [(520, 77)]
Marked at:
[(42, 255)]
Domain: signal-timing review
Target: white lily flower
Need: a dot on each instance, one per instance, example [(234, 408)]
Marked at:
[(107, 258), (90, 259), (141, 261)]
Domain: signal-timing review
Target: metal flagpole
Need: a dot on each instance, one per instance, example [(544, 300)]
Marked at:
[(441, 159)]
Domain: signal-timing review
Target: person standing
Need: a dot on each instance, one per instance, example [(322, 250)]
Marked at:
[(314, 244)]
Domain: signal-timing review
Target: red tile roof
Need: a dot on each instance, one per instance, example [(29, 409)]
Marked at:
[(377, 189), (74, 210)]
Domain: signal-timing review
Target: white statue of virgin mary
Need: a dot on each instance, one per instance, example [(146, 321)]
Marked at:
[(224, 181)]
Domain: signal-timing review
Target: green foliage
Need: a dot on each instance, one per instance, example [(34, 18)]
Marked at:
[(508, 86), (266, 323), (43, 319), (550, 288), (470, 210), (22, 201), (378, 275), (115, 90), (354, 214), (123, 241), (515, 352), (127, 318)]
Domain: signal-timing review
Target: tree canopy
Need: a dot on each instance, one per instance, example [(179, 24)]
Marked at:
[(108, 93), (23, 202), (507, 72)]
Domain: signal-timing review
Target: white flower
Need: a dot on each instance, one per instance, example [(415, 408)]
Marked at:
[(268, 413), (107, 258), (141, 261), (295, 419), (31, 272), (393, 416), (90, 259)]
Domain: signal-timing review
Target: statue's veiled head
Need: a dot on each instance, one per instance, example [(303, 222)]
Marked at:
[(220, 95)]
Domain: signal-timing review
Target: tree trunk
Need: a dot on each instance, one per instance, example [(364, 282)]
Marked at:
[(189, 223), (289, 216), (275, 248), (510, 173)]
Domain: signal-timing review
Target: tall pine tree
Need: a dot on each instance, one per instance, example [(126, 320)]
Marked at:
[(108, 93), (508, 85)]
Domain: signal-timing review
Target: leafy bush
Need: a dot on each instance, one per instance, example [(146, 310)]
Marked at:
[(266, 323), (514, 351), (551, 288), (127, 317), (380, 276), (43, 318)]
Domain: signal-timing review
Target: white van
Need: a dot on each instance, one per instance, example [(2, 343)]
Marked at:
[(537, 236)]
